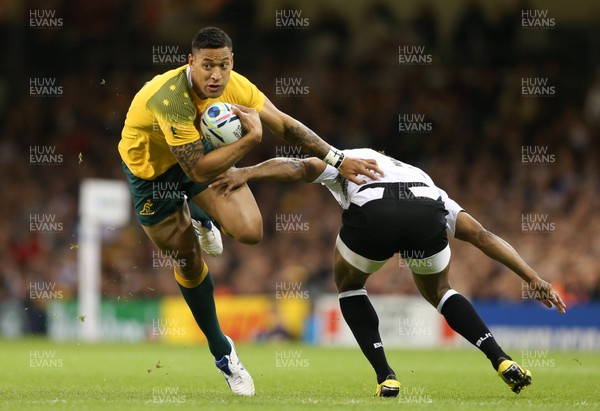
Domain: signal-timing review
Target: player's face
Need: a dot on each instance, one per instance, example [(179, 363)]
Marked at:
[(211, 69)]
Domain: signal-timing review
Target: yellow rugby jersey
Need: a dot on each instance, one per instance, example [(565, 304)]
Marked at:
[(164, 113)]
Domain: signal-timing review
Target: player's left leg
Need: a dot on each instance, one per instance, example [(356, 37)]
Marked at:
[(362, 319), (462, 317)]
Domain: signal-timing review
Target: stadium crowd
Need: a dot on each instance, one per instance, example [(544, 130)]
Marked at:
[(355, 93)]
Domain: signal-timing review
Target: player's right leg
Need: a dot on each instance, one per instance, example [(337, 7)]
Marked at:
[(176, 236), (462, 318), (167, 222), (360, 315)]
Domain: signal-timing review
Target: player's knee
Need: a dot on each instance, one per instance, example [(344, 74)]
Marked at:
[(347, 281), (437, 297), (349, 285), (249, 234)]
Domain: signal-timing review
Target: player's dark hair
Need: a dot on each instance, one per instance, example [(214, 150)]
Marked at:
[(211, 38)]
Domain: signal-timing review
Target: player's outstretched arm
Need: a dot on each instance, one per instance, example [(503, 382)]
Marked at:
[(294, 132), (470, 230), (275, 169), (203, 168)]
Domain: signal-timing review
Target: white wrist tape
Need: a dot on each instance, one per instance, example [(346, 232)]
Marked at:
[(334, 158)]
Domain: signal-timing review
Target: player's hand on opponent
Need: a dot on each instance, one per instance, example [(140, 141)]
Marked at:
[(229, 181), (250, 121), (352, 168), (542, 291)]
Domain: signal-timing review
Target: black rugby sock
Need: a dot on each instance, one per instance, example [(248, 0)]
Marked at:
[(364, 323), (462, 318)]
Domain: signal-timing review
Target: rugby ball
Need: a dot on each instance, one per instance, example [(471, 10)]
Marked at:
[(220, 126)]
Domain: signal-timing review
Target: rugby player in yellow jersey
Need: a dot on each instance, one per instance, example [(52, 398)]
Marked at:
[(166, 166)]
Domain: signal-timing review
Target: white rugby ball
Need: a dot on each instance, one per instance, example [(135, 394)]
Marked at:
[(220, 126)]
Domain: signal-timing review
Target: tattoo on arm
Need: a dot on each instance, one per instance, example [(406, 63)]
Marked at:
[(281, 168), (296, 167), (300, 135), (188, 154), (292, 163)]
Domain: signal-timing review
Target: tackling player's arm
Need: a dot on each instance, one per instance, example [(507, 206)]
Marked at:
[(294, 132), (275, 169), (470, 230), (202, 168)]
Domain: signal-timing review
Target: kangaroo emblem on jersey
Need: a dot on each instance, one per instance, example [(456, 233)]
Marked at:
[(147, 208)]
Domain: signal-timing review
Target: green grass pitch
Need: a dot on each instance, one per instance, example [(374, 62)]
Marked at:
[(43, 375)]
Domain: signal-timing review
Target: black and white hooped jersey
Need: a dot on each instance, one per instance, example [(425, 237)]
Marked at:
[(412, 178)]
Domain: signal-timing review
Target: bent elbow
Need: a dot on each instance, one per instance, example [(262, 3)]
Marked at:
[(200, 177), (483, 238)]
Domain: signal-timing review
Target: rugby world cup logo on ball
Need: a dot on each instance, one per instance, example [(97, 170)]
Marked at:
[(220, 126)]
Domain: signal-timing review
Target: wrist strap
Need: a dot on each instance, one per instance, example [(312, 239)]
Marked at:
[(334, 158)]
